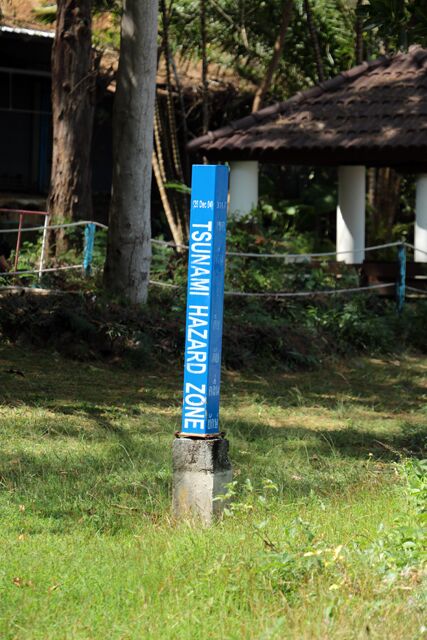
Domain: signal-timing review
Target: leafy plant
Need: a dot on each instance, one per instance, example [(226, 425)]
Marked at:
[(403, 549)]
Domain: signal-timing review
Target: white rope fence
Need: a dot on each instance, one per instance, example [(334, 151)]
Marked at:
[(411, 246), (172, 245), (301, 256), (306, 294), (48, 270), (280, 294), (286, 294), (416, 290), (80, 223)]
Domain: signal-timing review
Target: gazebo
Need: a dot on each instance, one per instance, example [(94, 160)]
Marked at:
[(374, 115)]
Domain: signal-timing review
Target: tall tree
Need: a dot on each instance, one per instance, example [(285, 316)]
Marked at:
[(315, 41), (127, 267), (73, 103), (359, 33), (399, 23), (167, 166), (275, 59), (205, 67)]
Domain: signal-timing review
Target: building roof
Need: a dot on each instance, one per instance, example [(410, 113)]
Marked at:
[(374, 114)]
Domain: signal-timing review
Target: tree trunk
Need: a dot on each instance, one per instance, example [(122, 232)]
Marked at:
[(127, 268), (315, 41), (277, 52), (73, 103), (169, 98), (383, 199), (180, 200), (387, 199), (174, 226), (205, 83), (184, 125), (359, 34)]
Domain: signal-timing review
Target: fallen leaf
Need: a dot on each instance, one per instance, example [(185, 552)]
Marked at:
[(19, 582)]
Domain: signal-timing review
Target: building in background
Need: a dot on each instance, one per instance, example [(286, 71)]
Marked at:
[(26, 121)]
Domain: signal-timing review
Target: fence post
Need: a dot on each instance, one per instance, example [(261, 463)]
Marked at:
[(88, 248), (43, 249), (18, 241), (401, 282)]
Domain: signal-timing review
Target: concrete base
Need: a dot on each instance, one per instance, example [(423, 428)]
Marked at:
[(201, 469)]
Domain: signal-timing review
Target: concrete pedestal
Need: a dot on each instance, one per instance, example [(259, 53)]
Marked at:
[(201, 471)]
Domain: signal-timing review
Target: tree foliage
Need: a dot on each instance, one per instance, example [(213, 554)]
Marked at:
[(241, 36), (399, 23)]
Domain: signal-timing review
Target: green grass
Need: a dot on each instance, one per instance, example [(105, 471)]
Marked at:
[(88, 548)]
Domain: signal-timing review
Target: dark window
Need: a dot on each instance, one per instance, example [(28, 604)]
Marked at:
[(23, 92), (4, 90)]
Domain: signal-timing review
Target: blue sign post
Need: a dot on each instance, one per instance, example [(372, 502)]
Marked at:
[(205, 301)]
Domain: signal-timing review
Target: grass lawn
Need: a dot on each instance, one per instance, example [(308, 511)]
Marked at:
[(87, 546)]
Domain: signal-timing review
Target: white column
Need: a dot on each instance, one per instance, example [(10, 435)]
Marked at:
[(243, 187), (351, 214), (420, 232)]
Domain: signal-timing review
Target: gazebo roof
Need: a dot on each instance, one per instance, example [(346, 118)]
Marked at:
[(374, 114)]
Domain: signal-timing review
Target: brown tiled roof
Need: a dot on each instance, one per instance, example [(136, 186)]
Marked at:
[(374, 114)]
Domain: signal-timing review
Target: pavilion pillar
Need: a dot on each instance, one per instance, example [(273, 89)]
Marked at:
[(420, 231), (243, 187), (351, 214)]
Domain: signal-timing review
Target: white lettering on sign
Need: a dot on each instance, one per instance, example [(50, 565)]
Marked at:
[(202, 204), (197, 339), (206, 261), (200, 259), (194, 405), (214, 389), (213, 423)]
